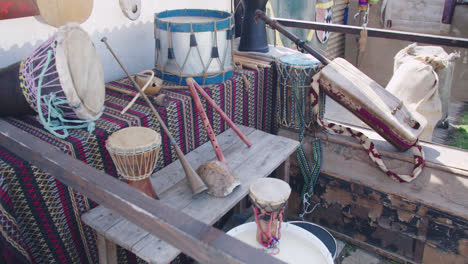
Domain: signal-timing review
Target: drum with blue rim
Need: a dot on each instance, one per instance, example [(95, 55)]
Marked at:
[(193, 43)]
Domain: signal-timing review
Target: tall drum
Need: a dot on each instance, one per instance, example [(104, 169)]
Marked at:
[(135, 152), (293, 95), (194, 43)]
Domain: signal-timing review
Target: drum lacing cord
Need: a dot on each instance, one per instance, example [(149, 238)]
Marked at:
[(193, 44), (214, 55), (55, 121), (272, 246), (309, 171), (366, 143)]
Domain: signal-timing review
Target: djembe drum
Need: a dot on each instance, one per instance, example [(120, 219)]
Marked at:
[(194, 43), (294, 77), (62, 80), (135, 152), (269, 197)]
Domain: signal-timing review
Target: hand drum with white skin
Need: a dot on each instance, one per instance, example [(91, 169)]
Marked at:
[(269, 197), (135, 152)]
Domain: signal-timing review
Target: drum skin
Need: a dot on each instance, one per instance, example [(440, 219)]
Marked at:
[(12, 101)]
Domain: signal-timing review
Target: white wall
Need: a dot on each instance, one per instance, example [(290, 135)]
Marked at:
[(133, 41)]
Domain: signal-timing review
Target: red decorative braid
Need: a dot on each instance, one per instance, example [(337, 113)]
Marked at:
[(272, 241)]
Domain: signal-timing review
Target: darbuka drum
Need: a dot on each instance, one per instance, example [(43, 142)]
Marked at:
[(62, 80), (194, 43), (269, 197), (135, 152), (294, 77), (297, 245), (253, 36)]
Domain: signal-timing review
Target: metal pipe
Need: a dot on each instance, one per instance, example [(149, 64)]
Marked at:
[(378, 33)]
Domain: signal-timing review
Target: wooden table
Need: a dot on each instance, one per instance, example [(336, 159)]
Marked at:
[(267, 153)]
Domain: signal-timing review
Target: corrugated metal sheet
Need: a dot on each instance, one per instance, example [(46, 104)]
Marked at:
[(336, 43)]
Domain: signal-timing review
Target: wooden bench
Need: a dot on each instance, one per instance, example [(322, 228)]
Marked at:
[(267, 153)]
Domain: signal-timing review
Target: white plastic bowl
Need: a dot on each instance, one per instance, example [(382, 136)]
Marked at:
[(297, 240)]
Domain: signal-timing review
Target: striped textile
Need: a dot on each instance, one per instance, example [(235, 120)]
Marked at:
[(40, 217)]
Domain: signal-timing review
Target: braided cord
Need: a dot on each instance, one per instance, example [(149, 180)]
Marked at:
[(55, 120)]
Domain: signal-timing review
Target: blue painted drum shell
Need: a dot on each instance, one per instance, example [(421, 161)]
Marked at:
[(226, 20)]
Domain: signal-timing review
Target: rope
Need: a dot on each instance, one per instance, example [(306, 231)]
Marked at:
[(55, 120), (272, 246)]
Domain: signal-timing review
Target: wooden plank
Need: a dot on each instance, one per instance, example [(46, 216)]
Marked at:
[(248, 164), (101, 218), (170, 175), (258, 163), (441, 189), (200, 241), (176, 196)]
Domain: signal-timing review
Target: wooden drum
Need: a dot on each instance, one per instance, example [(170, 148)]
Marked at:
[(269, 197), (135, 152)]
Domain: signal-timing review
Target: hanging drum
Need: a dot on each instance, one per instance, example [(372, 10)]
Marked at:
[(293, 95), (62, 80), (193, 43)]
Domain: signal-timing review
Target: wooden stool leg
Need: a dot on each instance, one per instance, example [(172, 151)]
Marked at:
[(283, 173), (107, 250)]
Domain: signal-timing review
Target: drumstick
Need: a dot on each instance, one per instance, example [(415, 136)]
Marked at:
[(206, 122), (196, 183), (220, 111)]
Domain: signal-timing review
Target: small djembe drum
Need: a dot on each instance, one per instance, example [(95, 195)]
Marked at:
[(294, 78), (62, 80), (135, 152), (269, 197)]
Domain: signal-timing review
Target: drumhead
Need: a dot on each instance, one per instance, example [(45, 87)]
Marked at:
[(269, 191), (133, 139), (296, 244), (80, 71), (299, 59)]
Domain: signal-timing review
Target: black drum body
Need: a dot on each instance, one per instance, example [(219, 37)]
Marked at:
[(253, 36), (12, 101)]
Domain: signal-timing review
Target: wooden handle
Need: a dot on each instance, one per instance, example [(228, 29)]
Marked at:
[(206, 122), (196, 183), (220, 111)]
